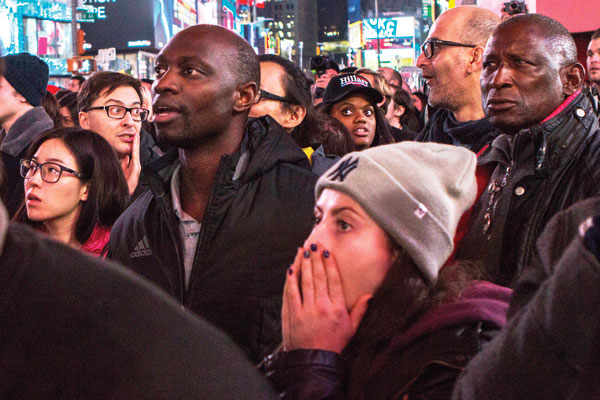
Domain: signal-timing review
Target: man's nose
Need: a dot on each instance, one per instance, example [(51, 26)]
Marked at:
[(500, 78), (128, 119), (421, 61), (165, 83)]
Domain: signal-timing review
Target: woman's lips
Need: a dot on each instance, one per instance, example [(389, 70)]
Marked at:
[(360, 131), (33, 199)]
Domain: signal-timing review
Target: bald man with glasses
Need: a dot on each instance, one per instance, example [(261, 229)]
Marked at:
[(451, 60)]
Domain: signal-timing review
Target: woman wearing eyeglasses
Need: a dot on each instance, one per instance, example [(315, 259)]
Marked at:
[(74, 188)]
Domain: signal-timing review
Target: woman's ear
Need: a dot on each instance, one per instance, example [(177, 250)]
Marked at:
[(84, 192), (399, 111)]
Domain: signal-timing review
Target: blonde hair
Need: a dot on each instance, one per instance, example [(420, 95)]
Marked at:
[(380, 84)]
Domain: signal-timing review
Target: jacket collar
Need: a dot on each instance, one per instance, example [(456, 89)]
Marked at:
[(25, 129), (264, 145), (550, 142)]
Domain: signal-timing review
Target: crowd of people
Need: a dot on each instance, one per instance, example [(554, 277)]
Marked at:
[(236, 228)]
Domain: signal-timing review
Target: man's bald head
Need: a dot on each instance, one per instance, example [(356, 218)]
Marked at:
[(557, 38), (472, 24), (478, 25), (239, 56)]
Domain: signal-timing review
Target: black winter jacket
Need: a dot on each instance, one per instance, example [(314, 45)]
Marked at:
[(78, 327), (442, 127), (259, 212), (549, 349), (536, 173), (428, 357)]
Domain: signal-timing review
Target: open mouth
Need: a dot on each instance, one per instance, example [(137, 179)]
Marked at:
[(127, 137), (32, 199), (361, 132), (163, 113)]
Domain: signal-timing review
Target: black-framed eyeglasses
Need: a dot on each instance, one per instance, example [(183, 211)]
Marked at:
[(51, 171), (119, 112), (428, 47), (270, 96)]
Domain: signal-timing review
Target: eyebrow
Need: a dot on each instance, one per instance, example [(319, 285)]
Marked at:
[(53, 160), (119, 102), (337, 211)]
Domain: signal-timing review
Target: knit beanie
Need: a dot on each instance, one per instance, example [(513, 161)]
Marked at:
[(416, 192), (28, 75)]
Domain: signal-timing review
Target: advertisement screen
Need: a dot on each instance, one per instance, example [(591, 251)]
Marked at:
[(185, 13), (128, 24), (389, 28)]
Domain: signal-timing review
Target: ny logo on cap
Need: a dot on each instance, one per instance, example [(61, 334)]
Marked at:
[(341, 172)]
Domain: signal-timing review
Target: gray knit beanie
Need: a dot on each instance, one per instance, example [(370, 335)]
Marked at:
[(416, 192), (28, 75)]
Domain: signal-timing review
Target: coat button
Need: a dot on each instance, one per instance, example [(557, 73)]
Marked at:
[(519, 191), (580, 112)]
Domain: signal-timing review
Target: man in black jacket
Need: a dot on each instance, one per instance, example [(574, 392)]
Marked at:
[(547, 158), (230, 204), (549, 348), (22, 118), (451, 62)]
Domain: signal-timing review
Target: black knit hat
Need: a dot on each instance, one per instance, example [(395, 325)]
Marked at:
[(28, 75), (342, 86)]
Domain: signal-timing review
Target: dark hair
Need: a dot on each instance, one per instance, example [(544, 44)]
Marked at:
[(331, 64), (402, 298), (147, 80), (382, 134), (297, 89), (70, 101), (596, 34), (61, 93), (380, 84), (79, 78), (409, 119), (105, 81), (423, 97), (108, 194), (52, 109), (334, 136), (348, 70)]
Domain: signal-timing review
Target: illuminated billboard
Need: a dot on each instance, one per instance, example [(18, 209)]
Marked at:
[(127, 24), (383, 28)]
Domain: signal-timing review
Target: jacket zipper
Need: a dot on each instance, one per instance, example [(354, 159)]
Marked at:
[(171, 229), (200, 244)]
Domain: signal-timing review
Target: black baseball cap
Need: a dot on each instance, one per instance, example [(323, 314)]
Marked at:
[(344, 85)]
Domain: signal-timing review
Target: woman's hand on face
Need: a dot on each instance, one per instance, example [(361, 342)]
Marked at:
[(315, 316), (131, 165)]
